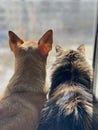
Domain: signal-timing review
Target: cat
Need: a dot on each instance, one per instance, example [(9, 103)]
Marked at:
[(70, 103), (24, 96)]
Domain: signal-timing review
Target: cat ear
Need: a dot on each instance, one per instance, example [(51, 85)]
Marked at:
[(81, 49), (45, 43), (58, 48), (14, 40)]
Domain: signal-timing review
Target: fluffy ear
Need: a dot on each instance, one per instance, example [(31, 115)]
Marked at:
[(81, 49), (14, 40), (45, 43), (58, 48)]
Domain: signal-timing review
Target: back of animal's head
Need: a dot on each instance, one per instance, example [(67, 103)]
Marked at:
[(68, 55), (30, 51), (71, 66)]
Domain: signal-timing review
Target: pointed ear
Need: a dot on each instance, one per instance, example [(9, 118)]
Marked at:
[(81, 49), (45, 43), (58, 48), (14, 40)]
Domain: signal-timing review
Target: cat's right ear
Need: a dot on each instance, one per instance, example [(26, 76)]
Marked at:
[(45, 43), (81, 49), (14, 40)]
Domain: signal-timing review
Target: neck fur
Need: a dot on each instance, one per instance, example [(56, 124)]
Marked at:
[(28, 76), (71, 74)]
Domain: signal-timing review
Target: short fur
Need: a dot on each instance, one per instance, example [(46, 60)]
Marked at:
[(25, 94), (70, 103)]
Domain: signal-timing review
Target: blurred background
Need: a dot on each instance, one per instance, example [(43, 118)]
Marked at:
[(73, 23)]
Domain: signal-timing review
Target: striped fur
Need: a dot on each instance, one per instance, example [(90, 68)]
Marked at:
[(70, 103)]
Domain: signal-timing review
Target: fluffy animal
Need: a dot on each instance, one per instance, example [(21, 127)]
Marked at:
[(70, 103)]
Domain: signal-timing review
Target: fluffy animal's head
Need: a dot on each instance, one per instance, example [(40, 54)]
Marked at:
[(72, 67)]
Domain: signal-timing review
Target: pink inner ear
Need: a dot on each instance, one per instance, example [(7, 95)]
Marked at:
[(45, 48), (13, 47)]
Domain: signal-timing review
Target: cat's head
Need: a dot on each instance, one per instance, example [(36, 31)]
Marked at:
[(68, 55), (71, 66)]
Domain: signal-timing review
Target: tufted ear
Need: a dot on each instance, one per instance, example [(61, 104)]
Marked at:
[(14, 40), (58, 48), (45, 43), (81, 49)]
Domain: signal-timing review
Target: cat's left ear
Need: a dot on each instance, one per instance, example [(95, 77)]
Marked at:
[(14, 40), (58, 48), (81, 49)]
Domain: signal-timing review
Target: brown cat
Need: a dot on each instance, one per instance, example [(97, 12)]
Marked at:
[(25, 94)]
